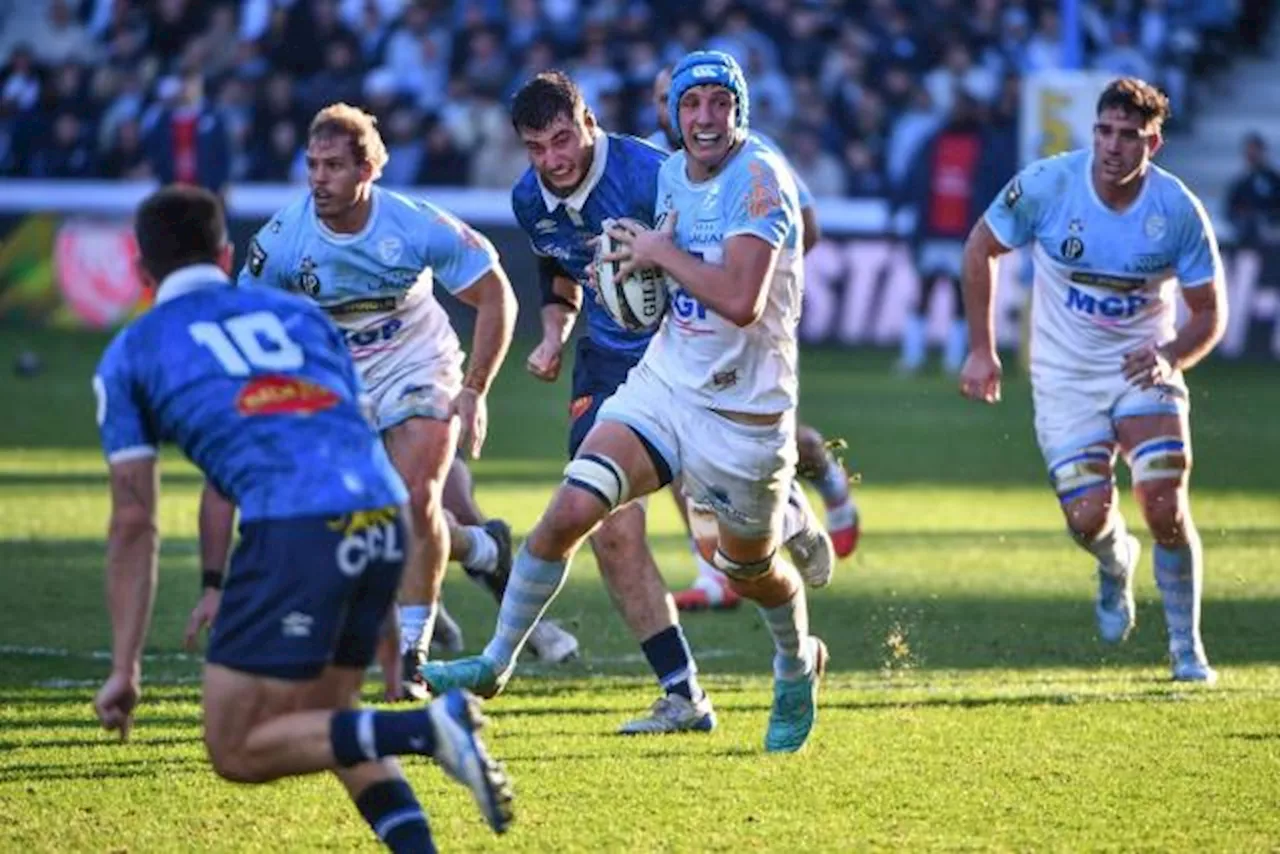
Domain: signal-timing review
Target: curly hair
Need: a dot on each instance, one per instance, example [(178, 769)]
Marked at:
[(1137, 97), (358, 126)]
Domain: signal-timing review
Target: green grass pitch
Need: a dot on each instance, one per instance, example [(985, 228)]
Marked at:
[(969, 705)]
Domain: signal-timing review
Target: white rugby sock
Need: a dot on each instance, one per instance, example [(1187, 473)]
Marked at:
[(788, 623), (482, 551), (416, 621), (534, 583), (1111, 548), (1180, 577)]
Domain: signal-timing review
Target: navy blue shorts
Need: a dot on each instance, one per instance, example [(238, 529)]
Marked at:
[(597, 373), (305, 593)]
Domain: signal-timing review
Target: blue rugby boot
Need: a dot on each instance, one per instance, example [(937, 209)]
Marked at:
[(460, 752), (795, 705)]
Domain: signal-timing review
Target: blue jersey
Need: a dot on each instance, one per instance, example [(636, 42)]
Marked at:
[(255, 388), (621, 182), (377, 285), (1105, 281)]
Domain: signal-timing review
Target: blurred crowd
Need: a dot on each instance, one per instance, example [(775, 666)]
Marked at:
[(213, 92)]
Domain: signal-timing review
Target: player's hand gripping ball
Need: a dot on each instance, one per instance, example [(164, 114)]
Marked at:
[(635, 298)]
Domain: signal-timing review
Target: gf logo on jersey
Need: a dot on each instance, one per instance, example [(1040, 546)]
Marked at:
[(308, 281), (1072, 248)]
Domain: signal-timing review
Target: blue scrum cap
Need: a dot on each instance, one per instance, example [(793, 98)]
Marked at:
[(704, 67)]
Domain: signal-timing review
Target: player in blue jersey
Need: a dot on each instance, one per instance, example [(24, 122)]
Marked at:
[(578, 177), (257, 390), (370, 258), (819, 460), (1115, 240), (712, 398)]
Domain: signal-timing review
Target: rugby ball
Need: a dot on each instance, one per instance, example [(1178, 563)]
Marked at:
[(635, 302)]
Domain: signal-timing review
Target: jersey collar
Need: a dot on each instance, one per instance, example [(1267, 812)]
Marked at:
[(190, 279), (1097, 200), (578, 198)]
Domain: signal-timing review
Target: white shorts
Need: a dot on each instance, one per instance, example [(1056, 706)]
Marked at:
[(1073, 413), (741, 471), (422, 390)]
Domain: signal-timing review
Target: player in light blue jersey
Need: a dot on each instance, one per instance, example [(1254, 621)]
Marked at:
[(579, 176), (371, 258), (819, 460), (713, 397), (1115, 241), (257, 390)]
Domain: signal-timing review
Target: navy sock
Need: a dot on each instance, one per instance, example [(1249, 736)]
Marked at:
[(672, 663), (363, 735), (395, 815)]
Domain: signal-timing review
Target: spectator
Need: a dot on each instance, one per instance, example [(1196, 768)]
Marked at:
[(444, 160), (67, 152), (405, 148), (54, 37), (817, 167), (1253, 201), (275, 160), (125, 158), (341, 79), (185, 138)]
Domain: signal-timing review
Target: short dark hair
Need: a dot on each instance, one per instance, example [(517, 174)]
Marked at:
[(1138, 97), (548, 95), (177, 226)]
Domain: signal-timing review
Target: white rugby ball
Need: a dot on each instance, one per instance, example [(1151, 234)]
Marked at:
[(637, 301)]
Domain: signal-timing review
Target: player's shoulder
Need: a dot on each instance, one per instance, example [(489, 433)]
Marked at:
[(115, 356), (526, 197), (1052, 175), (633, 152), (1171, 192), (399, 209), (288, 221)]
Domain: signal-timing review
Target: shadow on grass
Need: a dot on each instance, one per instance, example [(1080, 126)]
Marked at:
[(116, 769)]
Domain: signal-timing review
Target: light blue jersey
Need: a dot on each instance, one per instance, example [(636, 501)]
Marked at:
[(704, 357), (659, 139), (377, 284), (1105, 281)]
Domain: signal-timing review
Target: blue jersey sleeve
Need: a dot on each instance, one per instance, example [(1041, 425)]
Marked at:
[(1198, 260), (1014, 215), (457, 254), (123, 424), (754, 203), (266, 260)]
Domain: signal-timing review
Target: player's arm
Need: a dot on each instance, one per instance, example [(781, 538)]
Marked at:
[(132, 541), (738, 289), (561, 304), (982, 251), (1205, 326), (216, 522), (495, 303)]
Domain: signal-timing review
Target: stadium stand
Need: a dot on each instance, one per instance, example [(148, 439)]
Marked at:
[(221, 91)]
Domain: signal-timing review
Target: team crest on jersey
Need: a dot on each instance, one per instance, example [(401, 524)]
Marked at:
[(1072, 248), (308, 281), (1155, 227), (725, 379), (257, 257), (1076, 226), (390, 249), (275, 394), (1012, 194)]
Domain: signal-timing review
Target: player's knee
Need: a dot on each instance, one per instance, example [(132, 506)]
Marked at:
[(600, 478), (1087, 518), (231, 762), (747, 571)]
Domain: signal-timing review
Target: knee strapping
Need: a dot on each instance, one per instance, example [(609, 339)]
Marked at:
[(741, 571), (1087, 469), (600, 476), (1161, 458)]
